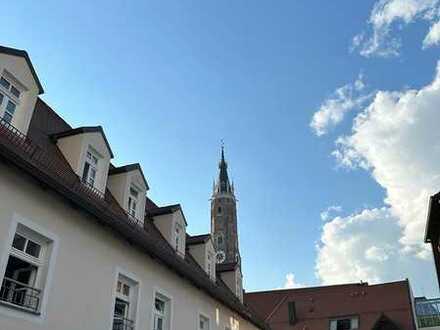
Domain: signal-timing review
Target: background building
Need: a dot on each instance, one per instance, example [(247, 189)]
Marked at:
[(361, 306)]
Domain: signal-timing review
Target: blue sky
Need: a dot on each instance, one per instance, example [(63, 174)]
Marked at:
[(169, 79)]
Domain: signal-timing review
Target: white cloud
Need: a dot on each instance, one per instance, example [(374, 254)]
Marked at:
[(291, 282), (365, 247), (327, 213), (397, 140), (385, 18), (433, 36), (333, 109)]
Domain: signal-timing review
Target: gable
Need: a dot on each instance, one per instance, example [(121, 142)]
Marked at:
[(19, 61)]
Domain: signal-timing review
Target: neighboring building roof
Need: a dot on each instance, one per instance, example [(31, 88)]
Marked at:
[(432, 230), (24, 54), (315, 306), (128, 168), (226, 267), (44, 162), (198, 239), (81, 130), (162, 210)]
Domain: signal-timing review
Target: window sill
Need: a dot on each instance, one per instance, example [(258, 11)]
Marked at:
[(18, 308)]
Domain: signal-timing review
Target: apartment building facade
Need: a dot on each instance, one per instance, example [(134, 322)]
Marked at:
[(81, 244)]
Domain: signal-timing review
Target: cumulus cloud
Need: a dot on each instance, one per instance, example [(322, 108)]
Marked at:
[(397, 140), (327, 213), (291, 282), (333, 109), (390, 15), (365, 247), (433, 36)]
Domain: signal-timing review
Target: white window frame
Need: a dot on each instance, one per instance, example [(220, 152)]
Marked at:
[(133, 200), (178, 230), (207, 318), (46, 282), (92, 159), (157, 292), (8, 96), (134, 289), (334, 322)]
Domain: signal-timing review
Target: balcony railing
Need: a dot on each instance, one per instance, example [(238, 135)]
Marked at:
[(20, 294), (121, 323), (53, 166), (428, 313)]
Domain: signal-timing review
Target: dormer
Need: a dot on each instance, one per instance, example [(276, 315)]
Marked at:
[(129, 186), (230, 273), (87, 151), (19, 88), (171, 222), (202, 250)]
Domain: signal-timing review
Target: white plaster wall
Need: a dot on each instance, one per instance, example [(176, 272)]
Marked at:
[(198, 251), (117, 184), (84, 270), (230, 279), (71, 147), (165, 225), (18, 67)]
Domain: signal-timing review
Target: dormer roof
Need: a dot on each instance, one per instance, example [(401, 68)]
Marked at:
[(81, 130), (24, 54), (128, 168), (166, 210), (198, 239)]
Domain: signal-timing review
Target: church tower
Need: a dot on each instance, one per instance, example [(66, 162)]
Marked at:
[(224, 217)]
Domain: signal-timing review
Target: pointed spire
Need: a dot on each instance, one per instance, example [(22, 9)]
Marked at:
[(223, 185)]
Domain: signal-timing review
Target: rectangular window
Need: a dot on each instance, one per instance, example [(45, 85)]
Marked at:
[(10, 87), (292, 312), (1, 99), (90, 168), (5, 83), (15, 92), (178, 231), (203, 323), (9, 112), (133, 201), (348, 323), (125, 304), (26, 269), (161, 313)]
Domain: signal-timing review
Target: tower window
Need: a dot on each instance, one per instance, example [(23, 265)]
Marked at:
[(220, 239), (219, 210)]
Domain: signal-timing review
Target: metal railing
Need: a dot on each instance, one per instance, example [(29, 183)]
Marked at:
[(122, 323), (428, 313), (54, 166), (20, 294)]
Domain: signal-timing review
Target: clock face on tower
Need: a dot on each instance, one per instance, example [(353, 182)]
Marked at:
[(220, 256)]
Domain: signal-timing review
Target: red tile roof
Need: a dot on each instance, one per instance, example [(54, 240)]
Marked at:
[(315, 306), (38, 157)]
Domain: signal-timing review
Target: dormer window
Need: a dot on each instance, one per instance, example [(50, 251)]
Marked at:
[(7, 108), (9, 95), (90, 167), (133, 200), (210, 264), (178, 233), (10, 87)]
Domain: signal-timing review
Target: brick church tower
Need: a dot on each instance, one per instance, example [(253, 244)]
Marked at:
[(224, 217)]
